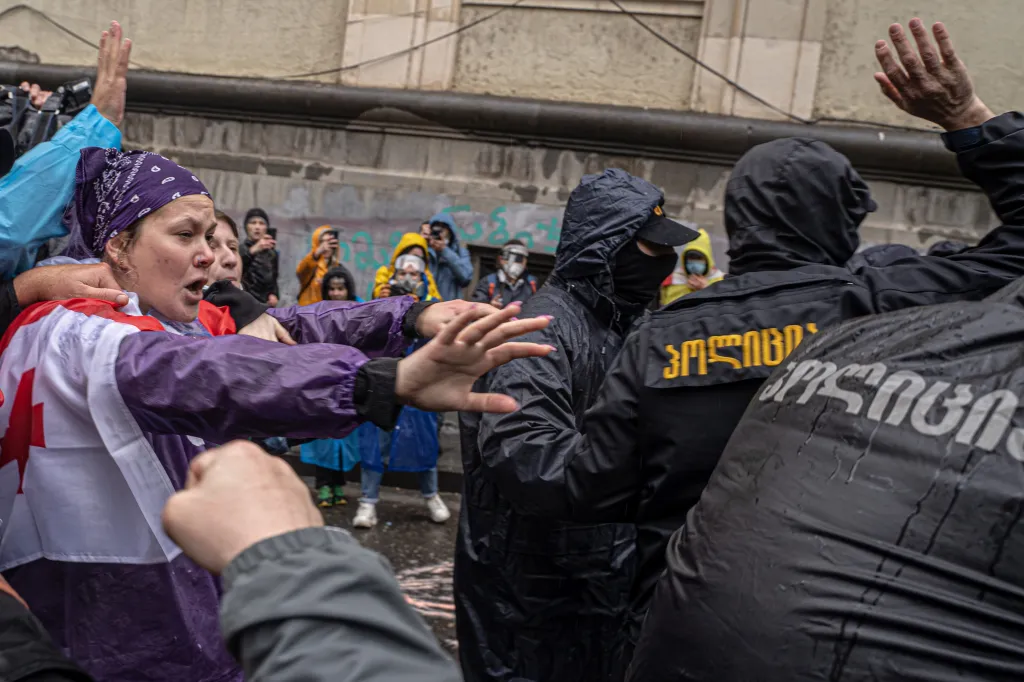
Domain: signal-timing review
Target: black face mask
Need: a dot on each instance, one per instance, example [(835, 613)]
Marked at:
[(638, 276)]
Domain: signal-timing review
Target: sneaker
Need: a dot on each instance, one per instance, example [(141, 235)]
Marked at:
[(324, 497), (438, 509), (339, 496), (366, 516)]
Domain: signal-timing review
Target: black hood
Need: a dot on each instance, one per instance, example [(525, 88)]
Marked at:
[(603, 214), (338, 271), (791, 203)]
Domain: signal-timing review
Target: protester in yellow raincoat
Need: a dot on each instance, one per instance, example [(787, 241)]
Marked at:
[(698, 271), (322, 256), (410, 243)]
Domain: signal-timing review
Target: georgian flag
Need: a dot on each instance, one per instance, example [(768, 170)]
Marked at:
[(79, 481)]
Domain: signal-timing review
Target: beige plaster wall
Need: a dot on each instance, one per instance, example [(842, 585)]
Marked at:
[(576, 55), (986, 32), (259, 38)]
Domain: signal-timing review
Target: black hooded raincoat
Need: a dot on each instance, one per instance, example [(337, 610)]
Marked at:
[(538, 599), (683, 379), (864, 521)]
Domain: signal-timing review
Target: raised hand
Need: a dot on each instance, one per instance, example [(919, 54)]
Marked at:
[(439, 377), (935, 86), (112, 74), (433, 319)]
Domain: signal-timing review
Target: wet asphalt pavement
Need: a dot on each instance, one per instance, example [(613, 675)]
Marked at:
[(419, 551)]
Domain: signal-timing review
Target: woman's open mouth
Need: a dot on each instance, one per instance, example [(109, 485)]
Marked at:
[(196, 289)]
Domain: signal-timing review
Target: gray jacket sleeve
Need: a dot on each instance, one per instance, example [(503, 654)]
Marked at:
[(313, 605)]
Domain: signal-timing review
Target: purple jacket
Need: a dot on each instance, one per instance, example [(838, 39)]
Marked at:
[(159, 622)]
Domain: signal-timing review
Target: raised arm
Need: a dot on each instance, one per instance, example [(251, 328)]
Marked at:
[(237, 386), (36, 190), (225, 387), (377, 328), (934, 85)]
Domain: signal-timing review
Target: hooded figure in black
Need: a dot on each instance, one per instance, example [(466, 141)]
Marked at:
[(864, 520), (537, 599), (644, 452)]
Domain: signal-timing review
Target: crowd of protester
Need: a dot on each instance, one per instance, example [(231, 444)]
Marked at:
[(687, 493)]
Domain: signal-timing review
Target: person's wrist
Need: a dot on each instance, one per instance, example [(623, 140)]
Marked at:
[(249, 537), (24, 291), (975, 115)]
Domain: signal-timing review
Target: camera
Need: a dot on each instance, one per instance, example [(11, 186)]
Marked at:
[(438, 231), (26, 126), (401, 287), (272, 232)]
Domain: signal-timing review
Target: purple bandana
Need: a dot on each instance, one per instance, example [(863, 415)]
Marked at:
[(114, 189)]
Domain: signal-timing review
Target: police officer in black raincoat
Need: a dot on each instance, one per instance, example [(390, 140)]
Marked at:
[(647, 448), (864, 521), (538, 599)]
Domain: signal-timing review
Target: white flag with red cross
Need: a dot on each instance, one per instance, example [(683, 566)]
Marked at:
[(78, 479)]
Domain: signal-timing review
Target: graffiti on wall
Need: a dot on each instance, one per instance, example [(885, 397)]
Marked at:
[(367, 244)]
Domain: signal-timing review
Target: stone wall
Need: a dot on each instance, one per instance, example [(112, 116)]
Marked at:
[(374, 186)]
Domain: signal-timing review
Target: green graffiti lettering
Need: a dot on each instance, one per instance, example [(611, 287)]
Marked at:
[(364, 258), (478, 231), (457, 209), (499, 235), (395, 237), (553, 232), (343, 246)]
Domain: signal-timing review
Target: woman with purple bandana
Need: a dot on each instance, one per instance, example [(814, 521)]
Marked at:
[(103, 410)]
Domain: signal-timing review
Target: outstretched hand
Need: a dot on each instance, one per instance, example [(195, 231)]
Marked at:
[(112, 74), (433, 319), (439, 377), (935, 86)]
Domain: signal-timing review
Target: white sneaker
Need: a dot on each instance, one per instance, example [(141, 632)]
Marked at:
[(438, 509), (366, 516)]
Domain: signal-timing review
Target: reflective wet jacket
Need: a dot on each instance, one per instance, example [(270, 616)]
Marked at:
[(536, 598), (863, 523), (645, 451)]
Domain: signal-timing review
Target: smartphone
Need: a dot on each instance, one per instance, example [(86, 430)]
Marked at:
[(332, 234), (272, 232)]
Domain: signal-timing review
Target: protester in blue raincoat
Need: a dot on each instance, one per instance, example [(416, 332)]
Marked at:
[(332, 457), (449, 261), (40, 183), (413, 444)]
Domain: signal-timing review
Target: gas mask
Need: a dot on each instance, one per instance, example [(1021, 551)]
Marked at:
[(513, 261), (408, 277)]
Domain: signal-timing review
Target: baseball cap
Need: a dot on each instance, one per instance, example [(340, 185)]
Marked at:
[(660, 229)]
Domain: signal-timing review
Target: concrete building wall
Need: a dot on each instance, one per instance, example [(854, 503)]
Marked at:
[(257, 38), (375, 186), (808, 58), (986, 33), (579, 55)]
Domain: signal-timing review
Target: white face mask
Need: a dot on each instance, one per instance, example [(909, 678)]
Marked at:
[(513, 270)]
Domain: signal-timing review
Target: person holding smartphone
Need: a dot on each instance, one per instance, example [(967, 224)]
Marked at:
[(260, 257), (322, 256)]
